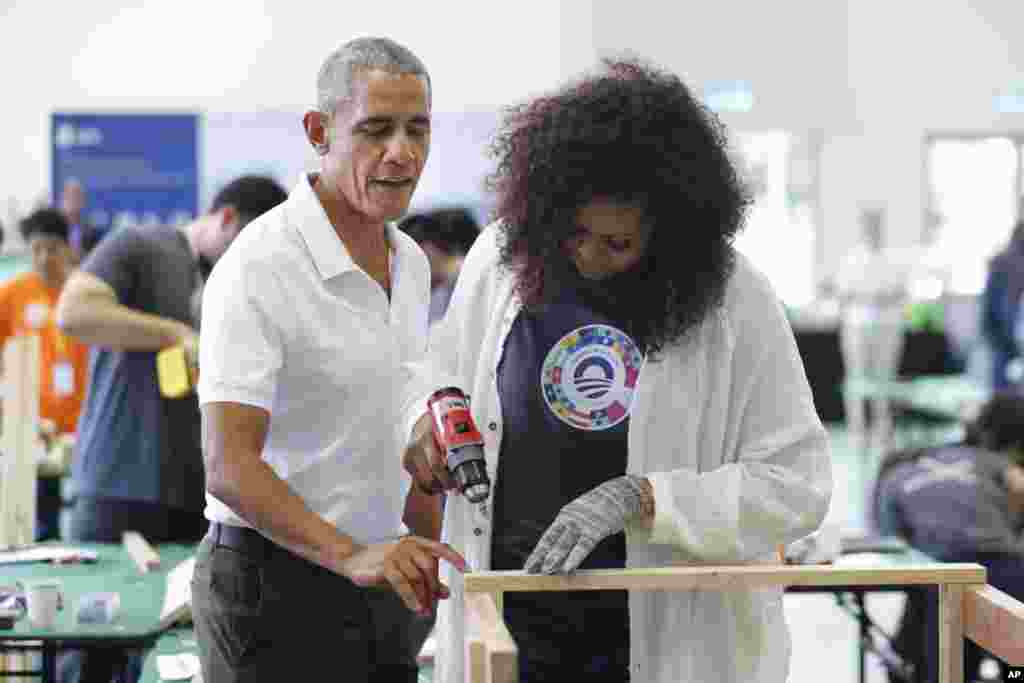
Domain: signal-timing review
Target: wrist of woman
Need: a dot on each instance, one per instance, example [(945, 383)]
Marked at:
[(646, 499)]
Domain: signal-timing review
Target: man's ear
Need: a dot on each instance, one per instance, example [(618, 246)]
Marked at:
[(316, 124), (228, 217)]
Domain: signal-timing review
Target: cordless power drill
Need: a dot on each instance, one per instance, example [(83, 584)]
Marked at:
[(458, 438)]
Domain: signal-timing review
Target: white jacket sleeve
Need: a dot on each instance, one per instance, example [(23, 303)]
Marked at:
[(774, 482), (456, 340)]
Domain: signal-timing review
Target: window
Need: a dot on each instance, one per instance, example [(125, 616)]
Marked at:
[(974, 185), (781, 169)]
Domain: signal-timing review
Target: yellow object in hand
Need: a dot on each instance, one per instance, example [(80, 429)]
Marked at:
[(176, 371)]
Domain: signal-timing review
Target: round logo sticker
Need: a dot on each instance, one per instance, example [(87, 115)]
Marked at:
[(588, 377)]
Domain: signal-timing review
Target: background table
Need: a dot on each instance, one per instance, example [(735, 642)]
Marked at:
[(137, 625)]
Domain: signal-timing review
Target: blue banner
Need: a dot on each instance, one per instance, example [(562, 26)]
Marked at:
[(136, 169)]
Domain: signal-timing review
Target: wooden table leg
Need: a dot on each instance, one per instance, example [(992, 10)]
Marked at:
[(951, 633)]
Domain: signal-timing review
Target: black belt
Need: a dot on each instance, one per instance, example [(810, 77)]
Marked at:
[(242, 539)]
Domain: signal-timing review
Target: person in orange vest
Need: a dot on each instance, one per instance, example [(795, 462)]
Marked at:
[(27, 305)]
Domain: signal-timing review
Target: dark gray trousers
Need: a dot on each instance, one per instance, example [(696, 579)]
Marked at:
[(262, 613)]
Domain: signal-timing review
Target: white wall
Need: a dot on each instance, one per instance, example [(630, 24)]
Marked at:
[(916, 68), (792, 54), (872, 75), (233, 56)]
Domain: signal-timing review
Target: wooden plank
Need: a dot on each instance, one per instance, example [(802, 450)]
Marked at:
[(995, 621), (141, 552), (490, 644), (738, 577), (476, 661), (499, 603), (951, 633), (21, 447)]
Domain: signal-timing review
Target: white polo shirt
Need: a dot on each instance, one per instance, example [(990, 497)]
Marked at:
[(292, 325)]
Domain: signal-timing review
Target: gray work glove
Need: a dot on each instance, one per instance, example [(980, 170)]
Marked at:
[(583, 523)]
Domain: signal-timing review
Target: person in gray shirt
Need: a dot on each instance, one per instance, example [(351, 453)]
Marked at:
[(139, 465)]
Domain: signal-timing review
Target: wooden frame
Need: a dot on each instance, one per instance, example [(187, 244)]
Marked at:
[(967, 606), (20, 445), (491, 653), (19, 449)]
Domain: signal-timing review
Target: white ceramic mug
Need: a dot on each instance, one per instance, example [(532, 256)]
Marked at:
[(43, 599)]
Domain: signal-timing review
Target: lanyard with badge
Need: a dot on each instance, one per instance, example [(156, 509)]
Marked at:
[(39, 316), (63, 370)]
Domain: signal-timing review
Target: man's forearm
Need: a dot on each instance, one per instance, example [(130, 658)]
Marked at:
[(423, 513), (113, 325), (255, 492)]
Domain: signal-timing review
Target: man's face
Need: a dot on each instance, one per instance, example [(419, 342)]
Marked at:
[(51, 258), (610, 238), (378, 144)]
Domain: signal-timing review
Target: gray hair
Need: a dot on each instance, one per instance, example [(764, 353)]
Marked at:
[(334, 82)]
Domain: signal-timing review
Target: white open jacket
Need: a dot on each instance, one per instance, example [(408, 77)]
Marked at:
[(723, 425)]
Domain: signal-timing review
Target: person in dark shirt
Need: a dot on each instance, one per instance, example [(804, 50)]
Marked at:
[(958, 502), (445, 236)]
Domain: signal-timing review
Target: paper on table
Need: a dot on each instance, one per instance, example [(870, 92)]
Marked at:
[(178, 595), (46, 553), (178, 667)]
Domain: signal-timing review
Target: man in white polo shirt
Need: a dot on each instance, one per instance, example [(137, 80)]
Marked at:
[(306, 322)]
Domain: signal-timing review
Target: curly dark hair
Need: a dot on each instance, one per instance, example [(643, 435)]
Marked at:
[(634, 134)]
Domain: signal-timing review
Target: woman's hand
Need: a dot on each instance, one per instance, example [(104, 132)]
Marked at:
[(585, 522)]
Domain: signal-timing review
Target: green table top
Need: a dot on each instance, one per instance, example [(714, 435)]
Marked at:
[(954, 397), (142, 595)]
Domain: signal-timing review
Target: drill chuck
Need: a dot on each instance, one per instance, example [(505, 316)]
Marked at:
[(470, 474)]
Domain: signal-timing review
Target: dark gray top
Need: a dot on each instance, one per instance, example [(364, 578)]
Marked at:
[(133, 444)]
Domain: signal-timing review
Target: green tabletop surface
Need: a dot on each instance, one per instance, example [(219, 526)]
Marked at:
[(954, 397), (141, 594)]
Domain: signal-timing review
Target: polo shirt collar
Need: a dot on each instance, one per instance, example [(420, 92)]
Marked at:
[(328, 251)]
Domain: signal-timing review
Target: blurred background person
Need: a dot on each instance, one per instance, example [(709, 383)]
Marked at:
[(1000, 310), (445, 235), (72, 205), (872, 285), (27, 307)]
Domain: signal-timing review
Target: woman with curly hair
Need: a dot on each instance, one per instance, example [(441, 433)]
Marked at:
[(638, 386)]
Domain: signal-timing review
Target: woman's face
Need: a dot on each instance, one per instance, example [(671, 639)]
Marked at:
[(610, 238)]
